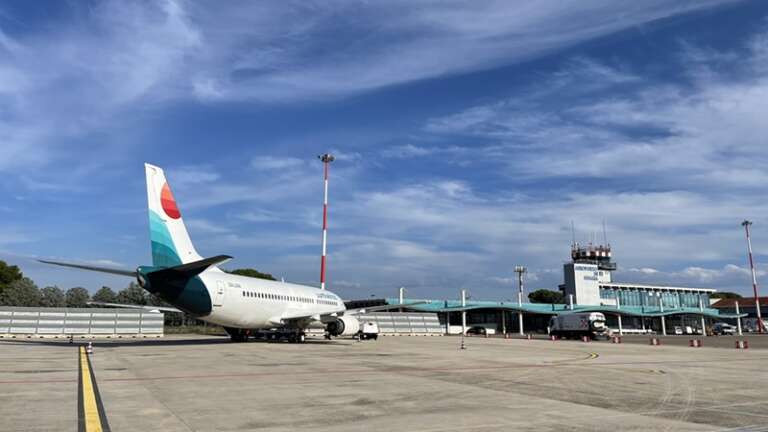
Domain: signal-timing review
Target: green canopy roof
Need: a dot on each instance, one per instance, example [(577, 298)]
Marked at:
[(556, 309)]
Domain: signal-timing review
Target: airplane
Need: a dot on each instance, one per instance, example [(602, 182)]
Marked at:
[(240, 304)]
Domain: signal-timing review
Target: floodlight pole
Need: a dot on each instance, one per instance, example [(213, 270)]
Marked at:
[(326, 159), (520, 270), (661, 308), (760, 327), (463, 312), (618, 313)]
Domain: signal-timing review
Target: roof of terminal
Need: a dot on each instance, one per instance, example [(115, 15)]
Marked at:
[(748, 302), (423, 305), (653, 287)]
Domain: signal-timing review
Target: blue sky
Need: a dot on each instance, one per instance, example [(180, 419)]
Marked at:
[(468, 136)]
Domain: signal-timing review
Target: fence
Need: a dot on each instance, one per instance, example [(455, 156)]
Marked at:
[(404, 323), (17, 322)]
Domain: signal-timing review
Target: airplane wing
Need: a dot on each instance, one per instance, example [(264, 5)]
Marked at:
[(304, 318), (296, 317), (142, 307), (130, 273)]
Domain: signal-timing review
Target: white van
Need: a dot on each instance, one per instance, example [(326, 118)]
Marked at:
[(368, 330)]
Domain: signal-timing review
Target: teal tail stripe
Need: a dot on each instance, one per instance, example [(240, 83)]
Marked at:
[(164, 252)]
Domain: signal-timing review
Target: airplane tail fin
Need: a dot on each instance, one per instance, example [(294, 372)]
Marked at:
[(171, 245)]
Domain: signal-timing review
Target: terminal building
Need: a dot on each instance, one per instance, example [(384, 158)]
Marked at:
[(588, 287), (589, 281)]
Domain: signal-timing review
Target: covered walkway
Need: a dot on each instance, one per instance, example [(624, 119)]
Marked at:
[(650, 318)]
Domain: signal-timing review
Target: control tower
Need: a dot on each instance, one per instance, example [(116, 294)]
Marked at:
[(590, 267), (599, 255)]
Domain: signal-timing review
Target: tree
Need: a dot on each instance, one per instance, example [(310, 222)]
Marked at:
[(546, 296), (20, 292), (77, 297), (132, 294), (252, 273), (9, 274), (52, 296), (725, 295), (105, 295)]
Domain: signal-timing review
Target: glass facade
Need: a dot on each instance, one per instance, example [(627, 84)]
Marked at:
[(630, 296)]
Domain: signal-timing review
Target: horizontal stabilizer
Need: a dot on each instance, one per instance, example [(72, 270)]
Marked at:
[(114, 271), (147, 308), (194, 268)]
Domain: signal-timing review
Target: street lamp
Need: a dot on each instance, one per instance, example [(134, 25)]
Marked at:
[(520, 270)]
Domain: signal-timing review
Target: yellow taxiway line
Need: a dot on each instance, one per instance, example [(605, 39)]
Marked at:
[(90, 418)]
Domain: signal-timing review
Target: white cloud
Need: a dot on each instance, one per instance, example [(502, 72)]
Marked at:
[(13, 236), (276, 163), (117, 59), (205, 227), (393, 43), (644, 270), (406, 151), (185, 176), (697, 135)]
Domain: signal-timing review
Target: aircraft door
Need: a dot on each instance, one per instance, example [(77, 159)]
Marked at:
[(218, 296)]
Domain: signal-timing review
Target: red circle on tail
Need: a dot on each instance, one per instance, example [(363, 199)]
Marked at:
[(169, 203)]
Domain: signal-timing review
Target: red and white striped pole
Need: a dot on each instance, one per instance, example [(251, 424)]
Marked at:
[(760, 328), (326, 158)]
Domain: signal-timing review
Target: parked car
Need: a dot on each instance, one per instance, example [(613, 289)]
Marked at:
[(723, 329), (477, 330), (750, 324), (678, 330)]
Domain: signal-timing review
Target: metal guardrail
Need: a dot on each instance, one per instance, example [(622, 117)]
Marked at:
[(405, 323), (82, 322)]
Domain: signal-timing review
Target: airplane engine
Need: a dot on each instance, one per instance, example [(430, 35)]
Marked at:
[(343, 326)]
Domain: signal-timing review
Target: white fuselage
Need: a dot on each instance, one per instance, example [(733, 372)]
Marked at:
[(251, 303)]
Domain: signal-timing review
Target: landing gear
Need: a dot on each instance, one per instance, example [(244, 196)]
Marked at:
[(237, 335), (296, 337), (291, 335)]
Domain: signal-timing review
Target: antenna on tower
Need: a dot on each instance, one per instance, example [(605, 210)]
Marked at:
[(573, 234), (605, 234)]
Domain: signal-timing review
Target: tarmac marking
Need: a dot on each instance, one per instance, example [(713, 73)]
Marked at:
[(90, 410), (557, 363)]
